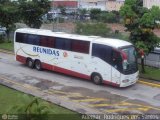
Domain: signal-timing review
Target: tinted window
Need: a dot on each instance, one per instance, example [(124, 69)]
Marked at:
[(102, 51), (20, 37), (80, 46), (117, 60), (47, 41), (32, 39), (27, 38), (64, 44)]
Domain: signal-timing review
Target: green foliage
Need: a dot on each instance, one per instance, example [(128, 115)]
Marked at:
[(32, 11), (140, 22), (99, 29), (62, 9), (95, 14), (82, 11), (108, 17), (2, 38), (8, 15)]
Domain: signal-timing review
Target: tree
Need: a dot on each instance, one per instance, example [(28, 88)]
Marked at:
[(8, 15), (32, 11), (95, 13), (108, 17), (62, 9), (99, 29), (140, 22)]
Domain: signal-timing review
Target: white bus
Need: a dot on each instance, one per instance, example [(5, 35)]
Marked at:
[(102, 60)]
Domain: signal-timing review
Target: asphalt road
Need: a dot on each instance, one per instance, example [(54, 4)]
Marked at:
[(78, 94)]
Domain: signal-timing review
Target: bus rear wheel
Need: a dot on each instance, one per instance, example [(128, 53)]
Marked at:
[(96, 78), (38, 65), (29, 63)]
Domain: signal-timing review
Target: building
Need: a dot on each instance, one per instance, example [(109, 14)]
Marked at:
[(65, 3), (150, 3), (114, 5), (105, 5), (90, 4)]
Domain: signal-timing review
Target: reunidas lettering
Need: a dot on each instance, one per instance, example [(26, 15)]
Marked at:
[(45, 51)]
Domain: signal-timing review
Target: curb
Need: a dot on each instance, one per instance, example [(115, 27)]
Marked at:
[(45, 95), (7, 51), (149, 79), (149, 83)]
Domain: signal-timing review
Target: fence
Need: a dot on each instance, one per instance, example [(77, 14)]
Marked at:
[(152, 60)]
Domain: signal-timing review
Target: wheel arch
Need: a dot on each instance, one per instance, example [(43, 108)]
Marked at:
[(94, 73)]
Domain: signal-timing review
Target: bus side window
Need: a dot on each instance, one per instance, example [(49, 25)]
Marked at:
[(60, 44), (80, 46), (19, 37), (102, 51), (63, 44), (43, 41), (116, 59), (51, 42)]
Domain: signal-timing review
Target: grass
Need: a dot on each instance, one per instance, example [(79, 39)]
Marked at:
[(7, 46), (150, 73), (10, 97)]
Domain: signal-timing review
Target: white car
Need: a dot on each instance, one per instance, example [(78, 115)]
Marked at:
[(2, 31), (157, 50)]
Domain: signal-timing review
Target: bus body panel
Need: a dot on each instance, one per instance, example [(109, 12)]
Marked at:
[(127, 80), (75, 63), (67, 62)]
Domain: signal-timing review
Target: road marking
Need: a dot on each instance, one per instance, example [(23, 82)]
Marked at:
[(65, 95), (5, 51), (16, 83), (91, 100), (116, 104), (68, 94), (149, 84), (127, 109)]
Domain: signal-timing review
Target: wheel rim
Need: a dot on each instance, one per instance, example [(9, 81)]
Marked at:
[(30, 63), (97, 79), (38, 65)]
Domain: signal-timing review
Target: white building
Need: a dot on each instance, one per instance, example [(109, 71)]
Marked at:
[(90, 4), (150, 3), (105, 5), (114, 5)]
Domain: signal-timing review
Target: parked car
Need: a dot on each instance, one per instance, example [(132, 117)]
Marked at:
[(2, 31), (156, 50)]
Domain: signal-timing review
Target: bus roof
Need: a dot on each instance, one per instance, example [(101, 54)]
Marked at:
[(116, 43)]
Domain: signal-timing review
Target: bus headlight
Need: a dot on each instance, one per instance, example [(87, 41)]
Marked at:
[(125, 81)]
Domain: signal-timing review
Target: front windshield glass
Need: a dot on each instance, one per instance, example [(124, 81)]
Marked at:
[(129, 60)]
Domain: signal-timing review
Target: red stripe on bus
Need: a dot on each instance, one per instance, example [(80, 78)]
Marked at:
[(111, 83), (65, 71), (21, 59)]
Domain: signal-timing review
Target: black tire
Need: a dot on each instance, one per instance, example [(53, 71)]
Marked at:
[(30, 63), (96, 78), (38, 65)]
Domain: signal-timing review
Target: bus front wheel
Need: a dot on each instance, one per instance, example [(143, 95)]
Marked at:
[(38, 65), (29, 63), (96, 78)]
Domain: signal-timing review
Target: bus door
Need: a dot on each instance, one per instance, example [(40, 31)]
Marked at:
[(116, 66)]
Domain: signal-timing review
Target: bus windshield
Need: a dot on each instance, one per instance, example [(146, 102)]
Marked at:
[(129, 60)]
